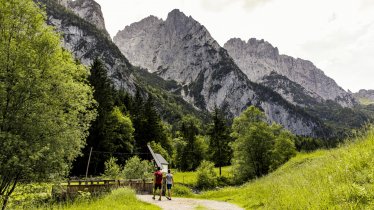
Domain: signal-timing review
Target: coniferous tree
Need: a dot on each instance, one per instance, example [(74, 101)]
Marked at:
[(148, 126), (103, 94), (192, 153), (139, 121), (112, 131), (155, 129), (220, 138)]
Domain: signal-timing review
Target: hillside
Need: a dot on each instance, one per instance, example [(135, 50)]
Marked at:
[(342, 178)]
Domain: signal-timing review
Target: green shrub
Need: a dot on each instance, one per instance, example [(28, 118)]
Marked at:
[(206, 176), (137, 169), (181, 190), (223, 181), (112, 169)]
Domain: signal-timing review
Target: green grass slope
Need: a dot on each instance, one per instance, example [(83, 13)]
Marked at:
[(341, 178)]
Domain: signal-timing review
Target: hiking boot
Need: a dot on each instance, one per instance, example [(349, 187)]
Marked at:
[(169, 198), (159, 199), (153, 197)]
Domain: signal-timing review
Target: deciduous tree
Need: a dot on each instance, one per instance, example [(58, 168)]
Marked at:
[(258, 147), (46, 104)]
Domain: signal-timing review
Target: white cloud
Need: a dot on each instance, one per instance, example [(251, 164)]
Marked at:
[(219, 5)]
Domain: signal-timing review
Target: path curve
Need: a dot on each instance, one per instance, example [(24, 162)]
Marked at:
[(188, 203)]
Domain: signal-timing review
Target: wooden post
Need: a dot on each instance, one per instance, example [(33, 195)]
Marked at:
[(88, 163)]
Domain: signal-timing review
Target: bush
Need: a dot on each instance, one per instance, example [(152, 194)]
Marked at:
[(112, 169), (137, 169), (181, 190), (223, 181), (206, 176)]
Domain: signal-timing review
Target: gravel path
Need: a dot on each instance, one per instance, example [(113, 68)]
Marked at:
[(187, 203)]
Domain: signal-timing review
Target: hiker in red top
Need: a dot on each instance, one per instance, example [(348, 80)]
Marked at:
[(157, 182)]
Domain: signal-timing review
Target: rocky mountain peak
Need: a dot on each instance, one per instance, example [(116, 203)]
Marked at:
[(253, 46), (258, 59), (176, 14), (88, 10), (169, 39), (181, 49)]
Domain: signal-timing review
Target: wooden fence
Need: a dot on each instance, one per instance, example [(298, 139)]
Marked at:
[(73, 187)]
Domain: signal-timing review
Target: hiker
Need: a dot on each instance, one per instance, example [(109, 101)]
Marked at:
[(157, 183), (169, 183)]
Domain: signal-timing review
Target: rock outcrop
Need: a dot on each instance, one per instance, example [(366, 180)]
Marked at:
[(89, 10), (181, 49), (258, 59), (365, 96), (87, 43)]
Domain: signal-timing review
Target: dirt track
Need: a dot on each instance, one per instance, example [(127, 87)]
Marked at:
[(188, 203)]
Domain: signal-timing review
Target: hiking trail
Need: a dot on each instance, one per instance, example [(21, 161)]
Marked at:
[(188, 203)]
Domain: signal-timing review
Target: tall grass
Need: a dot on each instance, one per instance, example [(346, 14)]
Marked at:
[(122, 198), (342, 178)]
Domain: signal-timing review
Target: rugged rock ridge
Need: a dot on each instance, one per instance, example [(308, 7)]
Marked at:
[(365, 96), (89, 10), (181, 49), (258, 59), (87, 43)]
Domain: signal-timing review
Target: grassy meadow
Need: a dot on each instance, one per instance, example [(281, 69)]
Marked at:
[(341, 178), (190, 178)]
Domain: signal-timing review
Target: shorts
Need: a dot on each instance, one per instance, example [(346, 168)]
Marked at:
[(158, 185), (168, 186)]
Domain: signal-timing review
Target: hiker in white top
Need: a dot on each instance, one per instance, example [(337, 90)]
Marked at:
[(169, 183)]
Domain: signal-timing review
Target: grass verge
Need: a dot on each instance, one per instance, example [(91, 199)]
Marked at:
[(122, 198), (341, 178)]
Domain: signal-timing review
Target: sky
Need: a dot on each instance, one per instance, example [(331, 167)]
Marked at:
[(336, 35)]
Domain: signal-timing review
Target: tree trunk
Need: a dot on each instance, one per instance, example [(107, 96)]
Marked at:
[(7, 195)]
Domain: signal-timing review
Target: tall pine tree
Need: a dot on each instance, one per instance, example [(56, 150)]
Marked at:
[(191, 153), (111, 134), (220, 138), (103, 94)]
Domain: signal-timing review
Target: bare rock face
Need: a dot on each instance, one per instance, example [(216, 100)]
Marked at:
[(87, 43), (365, 96), (181, 49), (88, 10), (258, 59)]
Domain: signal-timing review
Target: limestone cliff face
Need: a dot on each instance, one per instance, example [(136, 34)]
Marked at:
[(258, 59), (181, 49), (87, 43), (89, 10)]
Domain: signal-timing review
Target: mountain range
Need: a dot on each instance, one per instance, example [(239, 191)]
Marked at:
[(178, 59)]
